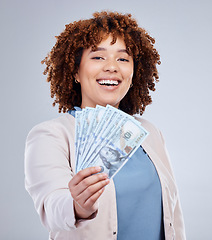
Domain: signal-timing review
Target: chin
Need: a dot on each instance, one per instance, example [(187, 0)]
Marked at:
[(110, 102)]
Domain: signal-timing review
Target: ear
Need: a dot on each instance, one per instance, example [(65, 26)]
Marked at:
[(76, 76), (131, 84)]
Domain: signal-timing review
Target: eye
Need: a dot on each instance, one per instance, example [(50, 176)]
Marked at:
[(97, 58), (123, 60)]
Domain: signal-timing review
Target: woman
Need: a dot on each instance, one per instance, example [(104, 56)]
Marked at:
[(104, 60)]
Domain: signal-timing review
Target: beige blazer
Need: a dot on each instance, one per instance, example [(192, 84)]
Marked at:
[(50, 164)]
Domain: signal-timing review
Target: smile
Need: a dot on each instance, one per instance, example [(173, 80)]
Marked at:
[(108, 82)]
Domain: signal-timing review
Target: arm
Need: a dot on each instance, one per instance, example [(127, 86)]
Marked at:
[(178, 220), (48, 172)]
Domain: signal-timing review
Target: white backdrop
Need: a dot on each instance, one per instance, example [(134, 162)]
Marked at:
[(181, 105)]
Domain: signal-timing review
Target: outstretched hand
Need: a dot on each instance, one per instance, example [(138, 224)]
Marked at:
[(86, 187)]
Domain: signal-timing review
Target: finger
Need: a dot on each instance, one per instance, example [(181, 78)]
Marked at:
[(91, 202), (89, 207), (89, 181), (83, 174), (90, 191)]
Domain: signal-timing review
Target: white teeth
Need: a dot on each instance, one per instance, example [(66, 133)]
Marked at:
[(109, 82)]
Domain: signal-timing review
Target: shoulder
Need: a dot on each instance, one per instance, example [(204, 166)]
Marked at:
[(64, 121), (154, 141), (154, 132), (60, 126)]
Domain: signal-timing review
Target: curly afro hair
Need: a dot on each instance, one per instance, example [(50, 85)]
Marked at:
[(62, 63)]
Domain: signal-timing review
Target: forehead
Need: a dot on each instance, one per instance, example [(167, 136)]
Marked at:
[(109, 44), (109, 40), (105, 149)]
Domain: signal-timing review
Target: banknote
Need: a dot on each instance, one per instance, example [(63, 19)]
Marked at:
[(102, 116), (96, 117), (102, 131), (112, 153), (77, 133), (108, 138), (106, 133), (85, 123)]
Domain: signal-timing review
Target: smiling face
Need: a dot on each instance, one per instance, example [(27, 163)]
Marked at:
[(105, 74)]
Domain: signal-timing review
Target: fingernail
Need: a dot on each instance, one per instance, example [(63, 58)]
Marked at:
[(107, 180), (98, 168)]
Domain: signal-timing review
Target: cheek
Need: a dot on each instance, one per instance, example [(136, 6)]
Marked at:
[(128, 73), (90, 71)]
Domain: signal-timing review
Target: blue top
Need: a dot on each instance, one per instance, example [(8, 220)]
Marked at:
[(72, 112), (139, 198)]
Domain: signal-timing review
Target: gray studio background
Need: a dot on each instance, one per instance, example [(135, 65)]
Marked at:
[(181, 105)]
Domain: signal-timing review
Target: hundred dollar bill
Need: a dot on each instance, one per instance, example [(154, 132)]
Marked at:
[(113, 153), (92, 116), (105, 135), (77, 132), (95, 118), (85, 122), (101, 141), (109, 138), (87, 119), (102, 117)]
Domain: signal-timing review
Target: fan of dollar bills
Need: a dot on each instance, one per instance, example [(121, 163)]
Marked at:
[(106, 137)]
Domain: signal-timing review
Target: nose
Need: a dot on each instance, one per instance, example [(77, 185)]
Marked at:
[(111, 66)]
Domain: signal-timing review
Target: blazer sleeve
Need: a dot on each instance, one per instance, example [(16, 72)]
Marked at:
[(47, 173), (178, 220)]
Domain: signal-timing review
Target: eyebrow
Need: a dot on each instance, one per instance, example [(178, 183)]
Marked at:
[(104, 49)]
